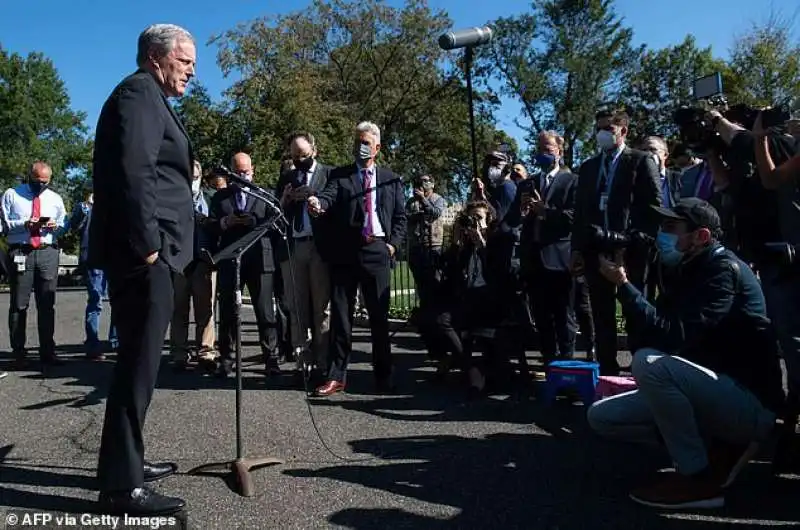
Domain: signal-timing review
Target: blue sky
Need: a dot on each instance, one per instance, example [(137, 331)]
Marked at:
[(93, 42)]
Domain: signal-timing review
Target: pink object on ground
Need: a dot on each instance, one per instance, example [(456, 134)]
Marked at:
[(609, 386)]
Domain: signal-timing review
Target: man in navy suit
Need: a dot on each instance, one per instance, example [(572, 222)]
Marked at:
[(366, 209), (546, 203), (142, 232)]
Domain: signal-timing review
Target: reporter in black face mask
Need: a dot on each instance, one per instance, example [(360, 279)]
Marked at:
[(307, 302)]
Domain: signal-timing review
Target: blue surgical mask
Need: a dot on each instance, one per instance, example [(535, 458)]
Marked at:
[(667, 245), (545, 160)]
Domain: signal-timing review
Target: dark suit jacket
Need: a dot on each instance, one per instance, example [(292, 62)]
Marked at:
[(319, 225), (259, 257), (635, 188), (549, 238), (675, 185), (343, 198), (142, 180)]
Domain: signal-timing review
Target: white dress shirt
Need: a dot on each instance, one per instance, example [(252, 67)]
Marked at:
[(377, 229), (16, 208), (307, 231)]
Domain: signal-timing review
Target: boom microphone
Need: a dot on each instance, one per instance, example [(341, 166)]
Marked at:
[(465, 38)]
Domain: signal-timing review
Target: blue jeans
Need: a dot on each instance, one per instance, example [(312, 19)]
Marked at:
[(96, 286)]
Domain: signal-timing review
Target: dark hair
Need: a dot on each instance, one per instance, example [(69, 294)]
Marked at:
[(618, 117), (305, 135), (471, 206)]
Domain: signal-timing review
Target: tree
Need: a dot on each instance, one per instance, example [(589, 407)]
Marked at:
[(561, 61), (765, 65), (216, 132), (336, 63), (662, 82), (36, 121)]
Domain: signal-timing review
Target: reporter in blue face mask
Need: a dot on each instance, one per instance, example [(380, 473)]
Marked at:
[(708, 364)]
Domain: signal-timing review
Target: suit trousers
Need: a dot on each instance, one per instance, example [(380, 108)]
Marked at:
[(141, 299), (195, 289), (40, 277), (603, 296), (307, 292), (550, 296), (260, 286), (371, 273)]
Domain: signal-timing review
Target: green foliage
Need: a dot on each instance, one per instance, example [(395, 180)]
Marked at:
[(332, 65), (560, 61), (36, 121), (662, 82), (765, 66)]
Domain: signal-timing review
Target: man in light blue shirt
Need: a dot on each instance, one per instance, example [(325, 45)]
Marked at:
[(95, 280), (32, 215)]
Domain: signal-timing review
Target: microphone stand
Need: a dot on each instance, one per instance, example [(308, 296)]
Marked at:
[(240, 468)]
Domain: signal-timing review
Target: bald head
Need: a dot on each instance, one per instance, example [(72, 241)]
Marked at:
[(40, 172), (242, 164)]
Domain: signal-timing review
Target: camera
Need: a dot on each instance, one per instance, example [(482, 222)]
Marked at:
[(467, 222), (781, 253), (601, 240), (698, 133)]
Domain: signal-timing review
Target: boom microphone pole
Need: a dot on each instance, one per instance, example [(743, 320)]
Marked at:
[(468, 39)]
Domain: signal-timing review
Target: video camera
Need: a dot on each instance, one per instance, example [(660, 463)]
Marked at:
[(467, 222), (601, 240), (782, 254), (697, 132)]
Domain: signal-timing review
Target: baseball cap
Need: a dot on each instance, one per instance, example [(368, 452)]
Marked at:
[(696, 212), (497, 155)]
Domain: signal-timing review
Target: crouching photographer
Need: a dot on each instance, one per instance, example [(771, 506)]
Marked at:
[(708, 378), (469, 294)]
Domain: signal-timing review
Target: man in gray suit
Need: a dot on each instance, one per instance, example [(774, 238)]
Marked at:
[(305, 277), (547, 206)]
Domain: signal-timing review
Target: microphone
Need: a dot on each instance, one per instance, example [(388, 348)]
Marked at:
[(243, 184), (465, 38)]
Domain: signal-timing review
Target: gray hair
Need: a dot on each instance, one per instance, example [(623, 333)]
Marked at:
[(160, 38), (370, 128)]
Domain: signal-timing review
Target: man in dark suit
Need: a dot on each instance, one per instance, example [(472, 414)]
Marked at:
[(366, 208), (670, 179), (306, 280), (142, 232), (233, 215), (616, 190), (546, 203)]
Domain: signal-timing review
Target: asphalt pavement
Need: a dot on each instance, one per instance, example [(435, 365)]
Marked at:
[(426, 458)]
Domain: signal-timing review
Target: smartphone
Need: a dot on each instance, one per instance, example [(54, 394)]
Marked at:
[(44, 220)]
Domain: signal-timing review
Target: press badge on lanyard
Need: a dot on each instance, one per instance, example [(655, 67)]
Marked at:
[(19, 261)]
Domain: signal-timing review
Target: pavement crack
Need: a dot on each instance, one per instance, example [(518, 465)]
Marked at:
[(80, 439)]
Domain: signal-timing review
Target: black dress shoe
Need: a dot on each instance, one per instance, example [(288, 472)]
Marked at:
[(153, 472), (139, 501)]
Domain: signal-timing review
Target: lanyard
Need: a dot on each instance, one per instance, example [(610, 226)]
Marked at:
[(611, 172), (609, 180)]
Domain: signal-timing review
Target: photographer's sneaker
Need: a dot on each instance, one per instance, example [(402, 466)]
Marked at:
[(675, 491)]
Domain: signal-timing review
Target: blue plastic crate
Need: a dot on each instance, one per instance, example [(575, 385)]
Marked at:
[(580, 376)]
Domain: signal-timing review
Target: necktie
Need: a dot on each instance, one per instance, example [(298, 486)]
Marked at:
[(604, 173), (36, 239), (368, 202), (299, 216), (241, 201)]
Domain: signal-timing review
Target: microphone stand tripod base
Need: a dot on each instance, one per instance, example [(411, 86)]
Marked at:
[(239, 477)]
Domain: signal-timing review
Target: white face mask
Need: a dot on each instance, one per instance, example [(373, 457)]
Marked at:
[(495, 174), (605, 140), (195, 186)]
